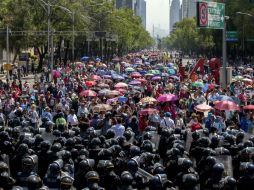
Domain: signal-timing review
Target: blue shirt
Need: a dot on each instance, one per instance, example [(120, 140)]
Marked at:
[(118, 129)]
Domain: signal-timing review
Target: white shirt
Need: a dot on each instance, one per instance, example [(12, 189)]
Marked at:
[(118, 129), (167, 122), (72, 119)]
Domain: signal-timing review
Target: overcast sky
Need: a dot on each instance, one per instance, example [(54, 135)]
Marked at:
[(157, 14)]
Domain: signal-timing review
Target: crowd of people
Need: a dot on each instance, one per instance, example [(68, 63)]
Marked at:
[(133, 123)]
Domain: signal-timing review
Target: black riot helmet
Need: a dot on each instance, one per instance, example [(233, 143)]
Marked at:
[(134, 151), (27, 164), (126, 178), (190, 181), (66, 182), (92, 176), (34, 182)]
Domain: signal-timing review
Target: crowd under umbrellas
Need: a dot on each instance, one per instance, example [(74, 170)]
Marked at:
[(135, 122)]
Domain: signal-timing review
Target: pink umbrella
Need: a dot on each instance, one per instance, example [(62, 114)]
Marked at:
[(167, 98), (56, 74), (121, 90), (110, 101), (121, 85), (148, 111), (88, 93), (135, 75), (203, 108), (226, 105), (249, 107), (95, 77)]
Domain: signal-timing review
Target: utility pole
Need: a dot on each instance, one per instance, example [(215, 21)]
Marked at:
[(7, 50), (224, 51), (50, 64), (73, 36)]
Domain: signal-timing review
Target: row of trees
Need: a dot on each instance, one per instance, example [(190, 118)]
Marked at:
[(189, 38), (90, 15)]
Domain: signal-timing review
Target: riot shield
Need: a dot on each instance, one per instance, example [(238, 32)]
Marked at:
[(226, 160), (5, 158), (155, 139), (188, 141)]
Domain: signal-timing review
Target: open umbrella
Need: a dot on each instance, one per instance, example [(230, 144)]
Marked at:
[(129, 69), (117, 77), (135, 75), (221, 98), (142, 80), (147, 100), (103, 85), (56, 74), (171, 71), (88, 93), (203, 108), (135, 82), (154, 72), (239, 77), (148, 111), (198, 84), (167, 98), (90, 83), (121, 85), (226, 105), (156, 78), (122, 99), (248, 107), (84, 58), (121, 90), (102, 107), (95, 77), (108, 93)]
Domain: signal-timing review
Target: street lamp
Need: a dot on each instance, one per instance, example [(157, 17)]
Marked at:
[(243, 32)]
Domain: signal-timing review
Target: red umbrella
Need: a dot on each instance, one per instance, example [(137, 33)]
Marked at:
[(203, 108), (90, 83), (95, 77), (135, 75), (88, 93), (148, 111), (248, 107), (103, 85), (56, 74), (121, 85), (142, 80), (167, 98), (226, 105)]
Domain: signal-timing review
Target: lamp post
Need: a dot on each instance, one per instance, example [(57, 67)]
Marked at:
[(243, 37), (224, 51), (72, 14)]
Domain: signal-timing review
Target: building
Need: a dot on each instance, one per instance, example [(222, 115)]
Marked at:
[(126, 4), (192, 8), (174, 14), (188, 8), (140, 10)]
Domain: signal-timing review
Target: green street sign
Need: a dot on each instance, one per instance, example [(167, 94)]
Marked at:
[(210, 15), (232, 36)]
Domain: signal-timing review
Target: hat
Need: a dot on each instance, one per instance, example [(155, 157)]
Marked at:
[(167, 114)]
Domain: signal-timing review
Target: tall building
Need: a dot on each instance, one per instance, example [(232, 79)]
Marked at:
[(174, 14), (188, 8), (126, 3), (140, 10), (192, 7)]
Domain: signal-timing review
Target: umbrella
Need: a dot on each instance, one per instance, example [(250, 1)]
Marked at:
[(103, 85), (149, 75), (122, 99), (167, 98), (112, 100), (221, 98), (84, 58), (156, 78), (246, 80), (226, 105), (171, 71), (238, 77), (107, 76), (135, 82), (148, 111), (247, 76), (142, 80), (121, 90), (129, 69), (56, 74), (117, 77), (135, 75), (174, 77), (88, 93), (95, 77), (164, 74), (198, 84), (154, 72), (147, 100), (107, 92), (121, 85), (203, 108), (116, 59), (90, 83), (249, 69), (248, 107), (102, 107)]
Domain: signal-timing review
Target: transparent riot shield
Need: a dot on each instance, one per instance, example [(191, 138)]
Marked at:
[(188, 141), (155, 139), (226, 160)]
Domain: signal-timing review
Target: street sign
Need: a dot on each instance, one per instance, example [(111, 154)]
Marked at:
[(232, 36), (210, 15), (7, 67)]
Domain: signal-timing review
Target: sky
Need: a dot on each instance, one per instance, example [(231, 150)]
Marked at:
[(157, 14)]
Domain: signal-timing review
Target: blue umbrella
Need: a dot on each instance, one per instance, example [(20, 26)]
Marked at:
[(142, 72), (171, 71), (122, 99), (85, 58), (101, 72), (117, 77), (222, 98), (98, 59)]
